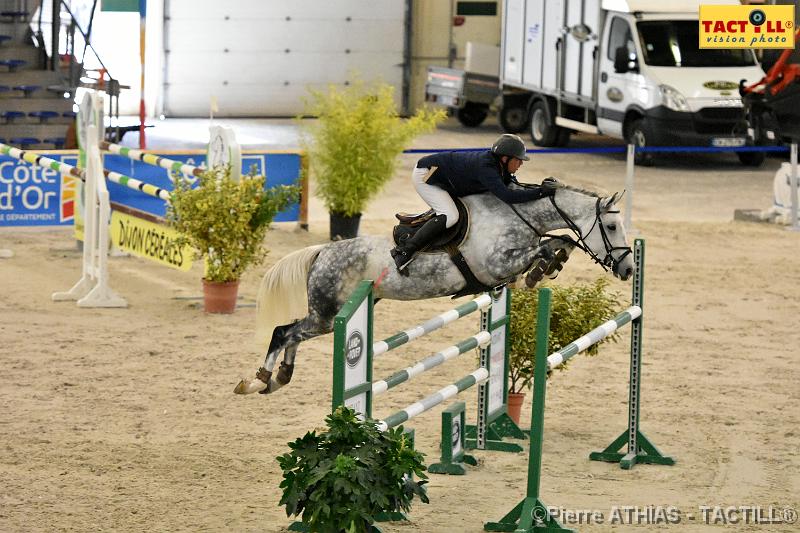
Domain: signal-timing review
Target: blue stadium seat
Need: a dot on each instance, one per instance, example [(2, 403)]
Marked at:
[(4, 88), (11, 116), (57, 142), (24, 141), (43, 116), (4, 38), (14, 14), (13, 64), (27, 89), (69, 114)]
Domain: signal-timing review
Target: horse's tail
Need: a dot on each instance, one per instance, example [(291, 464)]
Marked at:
[(283, 294)]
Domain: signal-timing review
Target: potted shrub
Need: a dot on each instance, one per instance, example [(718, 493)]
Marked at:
[(575, 310), (225, 221), (342, 478), (353, 147)]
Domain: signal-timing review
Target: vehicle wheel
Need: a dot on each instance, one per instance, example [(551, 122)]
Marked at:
[(563, 136), (472, 114), (543, 132), (638, 136), (751, 159), (513, 119)]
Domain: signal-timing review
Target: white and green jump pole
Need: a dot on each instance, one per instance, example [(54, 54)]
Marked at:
[(531, 513), (639, 449), (354, 350)]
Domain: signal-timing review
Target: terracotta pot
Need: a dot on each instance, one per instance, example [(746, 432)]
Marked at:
[(220, 296), (515, 401)]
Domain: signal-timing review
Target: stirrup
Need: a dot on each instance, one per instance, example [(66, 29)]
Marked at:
[(405, 260)]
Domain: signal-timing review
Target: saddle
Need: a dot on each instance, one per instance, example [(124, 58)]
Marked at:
[(448, 241), (450, 238)]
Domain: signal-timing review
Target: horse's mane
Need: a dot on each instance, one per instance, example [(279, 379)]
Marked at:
[(580, 190), (559, 185)]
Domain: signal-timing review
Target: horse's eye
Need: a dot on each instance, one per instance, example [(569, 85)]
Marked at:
[(612, 227)]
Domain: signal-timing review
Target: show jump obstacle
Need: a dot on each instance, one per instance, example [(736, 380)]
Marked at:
[(531, 513), (354, 350), (92, 289)]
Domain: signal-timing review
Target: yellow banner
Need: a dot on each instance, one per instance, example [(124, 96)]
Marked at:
[(149, 240), (752, 26)]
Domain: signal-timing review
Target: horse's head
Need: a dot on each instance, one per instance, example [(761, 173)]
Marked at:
[(604, 237)]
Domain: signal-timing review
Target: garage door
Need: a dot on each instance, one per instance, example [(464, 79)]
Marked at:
[(257, 58)]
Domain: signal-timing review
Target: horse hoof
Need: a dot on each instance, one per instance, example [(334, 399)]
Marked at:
[(245, 387)]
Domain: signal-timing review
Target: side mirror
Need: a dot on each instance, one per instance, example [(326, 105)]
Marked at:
[(622, 61)]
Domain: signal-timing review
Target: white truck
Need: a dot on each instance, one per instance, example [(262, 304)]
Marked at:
[(629, 69)]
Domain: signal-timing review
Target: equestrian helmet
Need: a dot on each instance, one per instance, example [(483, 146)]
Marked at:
[(511, 146)]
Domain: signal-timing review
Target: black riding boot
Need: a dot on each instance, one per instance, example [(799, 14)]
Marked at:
[(404, 253)]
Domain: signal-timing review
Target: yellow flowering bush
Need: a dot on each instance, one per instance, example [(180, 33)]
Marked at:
[(354, 145), (225, 220)]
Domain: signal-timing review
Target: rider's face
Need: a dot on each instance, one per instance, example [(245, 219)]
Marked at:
[(514, 164)]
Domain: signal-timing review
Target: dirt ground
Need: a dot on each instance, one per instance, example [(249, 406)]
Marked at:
[(125, 420)]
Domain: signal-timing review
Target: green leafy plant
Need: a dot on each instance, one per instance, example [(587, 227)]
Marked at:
[(226, 220), (342, 478), (354, 145), (575, 310)]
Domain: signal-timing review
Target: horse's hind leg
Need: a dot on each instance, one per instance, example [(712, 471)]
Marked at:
[(276, 345), (284, 339), (263, 379), (297, 333)]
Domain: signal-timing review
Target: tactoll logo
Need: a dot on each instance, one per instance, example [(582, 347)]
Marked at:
[(747, 26)]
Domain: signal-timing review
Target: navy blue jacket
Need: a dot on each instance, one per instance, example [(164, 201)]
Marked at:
[(465, 173)]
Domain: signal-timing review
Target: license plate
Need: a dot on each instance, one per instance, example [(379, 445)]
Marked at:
[(728, 141), (446, 100)]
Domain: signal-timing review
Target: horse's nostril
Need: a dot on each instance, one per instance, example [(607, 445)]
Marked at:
[(628, 272)]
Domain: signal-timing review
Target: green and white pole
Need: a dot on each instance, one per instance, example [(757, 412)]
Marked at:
[(531, 513), (639, 449), (493, 423), (478, 376), (481, 339), (381, 347), (599, 333)]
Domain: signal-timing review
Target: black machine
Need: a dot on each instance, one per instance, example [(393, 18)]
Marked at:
[(773, 103)]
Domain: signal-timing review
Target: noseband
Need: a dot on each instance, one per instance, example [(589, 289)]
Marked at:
[(609, 261)]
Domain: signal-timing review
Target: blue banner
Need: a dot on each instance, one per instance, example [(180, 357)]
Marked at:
[(36, 196)]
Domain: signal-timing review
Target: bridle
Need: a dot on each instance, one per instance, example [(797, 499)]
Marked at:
[(609, 262)]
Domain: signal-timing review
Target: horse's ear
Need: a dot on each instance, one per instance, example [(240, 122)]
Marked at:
[(613, 199)]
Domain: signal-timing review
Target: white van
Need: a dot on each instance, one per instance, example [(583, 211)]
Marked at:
[(629, 69)]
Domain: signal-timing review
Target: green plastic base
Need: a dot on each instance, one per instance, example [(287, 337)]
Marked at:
[(453, 468), (503, 427), (646, 454), (528, 515)]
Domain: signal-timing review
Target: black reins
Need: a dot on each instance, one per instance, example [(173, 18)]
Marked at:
[(609, 262)]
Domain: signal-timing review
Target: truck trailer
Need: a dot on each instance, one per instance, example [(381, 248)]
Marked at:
[(628, 69)]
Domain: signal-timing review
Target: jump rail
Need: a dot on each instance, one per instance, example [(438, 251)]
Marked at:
[(531, 513), (151, 159), (80, 173), (354, 351)]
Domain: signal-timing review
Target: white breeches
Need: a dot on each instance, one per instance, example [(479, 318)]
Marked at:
[(439, 200)]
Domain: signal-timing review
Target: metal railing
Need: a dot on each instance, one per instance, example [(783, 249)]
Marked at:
[(67, 48)]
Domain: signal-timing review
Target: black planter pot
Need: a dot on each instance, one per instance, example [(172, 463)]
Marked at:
[(344, 227)]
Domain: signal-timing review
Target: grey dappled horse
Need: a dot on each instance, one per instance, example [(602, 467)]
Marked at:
[(301, 294)]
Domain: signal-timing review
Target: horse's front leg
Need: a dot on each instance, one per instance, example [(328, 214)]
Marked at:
[(549, 260)]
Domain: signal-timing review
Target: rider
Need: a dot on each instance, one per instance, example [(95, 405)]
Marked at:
[(439, 177)]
